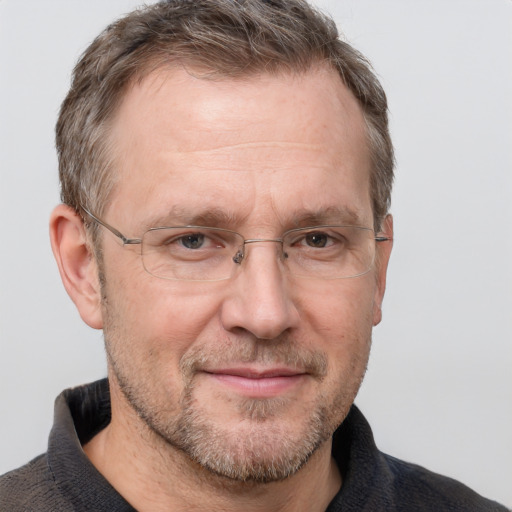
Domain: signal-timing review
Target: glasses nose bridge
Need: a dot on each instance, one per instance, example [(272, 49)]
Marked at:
[(240, 255), (256, 240)]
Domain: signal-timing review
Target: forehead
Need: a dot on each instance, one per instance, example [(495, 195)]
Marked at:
[(185, 142)]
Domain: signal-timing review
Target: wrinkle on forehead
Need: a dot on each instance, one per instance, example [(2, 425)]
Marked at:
[(262, 144), (244, 160)]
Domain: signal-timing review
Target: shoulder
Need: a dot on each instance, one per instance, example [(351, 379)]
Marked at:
[(374, 481), (421, 489), (29, 488)]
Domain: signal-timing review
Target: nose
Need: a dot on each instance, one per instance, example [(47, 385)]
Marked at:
[(260, 298)]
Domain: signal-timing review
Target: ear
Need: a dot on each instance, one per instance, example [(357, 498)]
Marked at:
[(77, 264), (382, 260)]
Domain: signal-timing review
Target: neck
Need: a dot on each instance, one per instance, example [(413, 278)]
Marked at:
[(154, 476)]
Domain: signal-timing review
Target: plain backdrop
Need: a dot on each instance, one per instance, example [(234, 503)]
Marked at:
[(439, 387)]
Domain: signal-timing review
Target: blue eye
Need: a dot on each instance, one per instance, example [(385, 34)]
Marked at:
[(192, 241)]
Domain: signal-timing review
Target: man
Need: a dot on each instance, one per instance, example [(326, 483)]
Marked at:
[(226, 172)]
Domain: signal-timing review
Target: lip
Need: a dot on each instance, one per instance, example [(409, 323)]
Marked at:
[(257, 383)]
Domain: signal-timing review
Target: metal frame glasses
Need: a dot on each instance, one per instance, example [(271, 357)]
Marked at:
[(202, 253)]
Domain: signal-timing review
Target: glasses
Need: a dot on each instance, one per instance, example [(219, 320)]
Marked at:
[(199, 253)]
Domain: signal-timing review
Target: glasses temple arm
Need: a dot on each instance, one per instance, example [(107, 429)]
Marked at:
[(113, 230)]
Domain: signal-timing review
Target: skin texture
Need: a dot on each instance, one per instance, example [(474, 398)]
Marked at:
[(226, 394)]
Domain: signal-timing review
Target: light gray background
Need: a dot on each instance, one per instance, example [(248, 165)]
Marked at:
[(439, 386)]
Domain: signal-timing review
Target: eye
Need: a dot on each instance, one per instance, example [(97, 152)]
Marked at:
[(192, 241), (317, 240), (323, 239)]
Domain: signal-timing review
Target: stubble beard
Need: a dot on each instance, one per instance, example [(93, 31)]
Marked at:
[(263, 452), (265, 448)]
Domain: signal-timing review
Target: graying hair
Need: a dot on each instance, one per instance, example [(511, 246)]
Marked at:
[(220, 39)]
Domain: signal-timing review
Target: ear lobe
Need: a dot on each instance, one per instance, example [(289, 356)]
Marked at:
[(76, 262), (382, 260)]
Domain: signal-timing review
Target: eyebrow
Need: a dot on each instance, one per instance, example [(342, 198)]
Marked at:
[(217, 217), (328, 215), (182, 216)]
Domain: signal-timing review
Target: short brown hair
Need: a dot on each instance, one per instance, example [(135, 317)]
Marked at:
[(221, 39)]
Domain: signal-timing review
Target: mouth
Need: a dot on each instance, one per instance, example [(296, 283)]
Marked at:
[(257, 382)]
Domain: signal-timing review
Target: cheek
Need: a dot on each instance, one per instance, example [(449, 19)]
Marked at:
[(148, 330), (340, 319), (341, 307), (156, 314)]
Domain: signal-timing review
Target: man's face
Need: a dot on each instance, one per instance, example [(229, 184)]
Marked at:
[(250, 375)]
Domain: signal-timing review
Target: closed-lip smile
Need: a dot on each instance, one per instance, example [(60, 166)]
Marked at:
[(257, 382)]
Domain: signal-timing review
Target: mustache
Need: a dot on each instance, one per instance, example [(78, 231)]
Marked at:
[(282, 351)]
